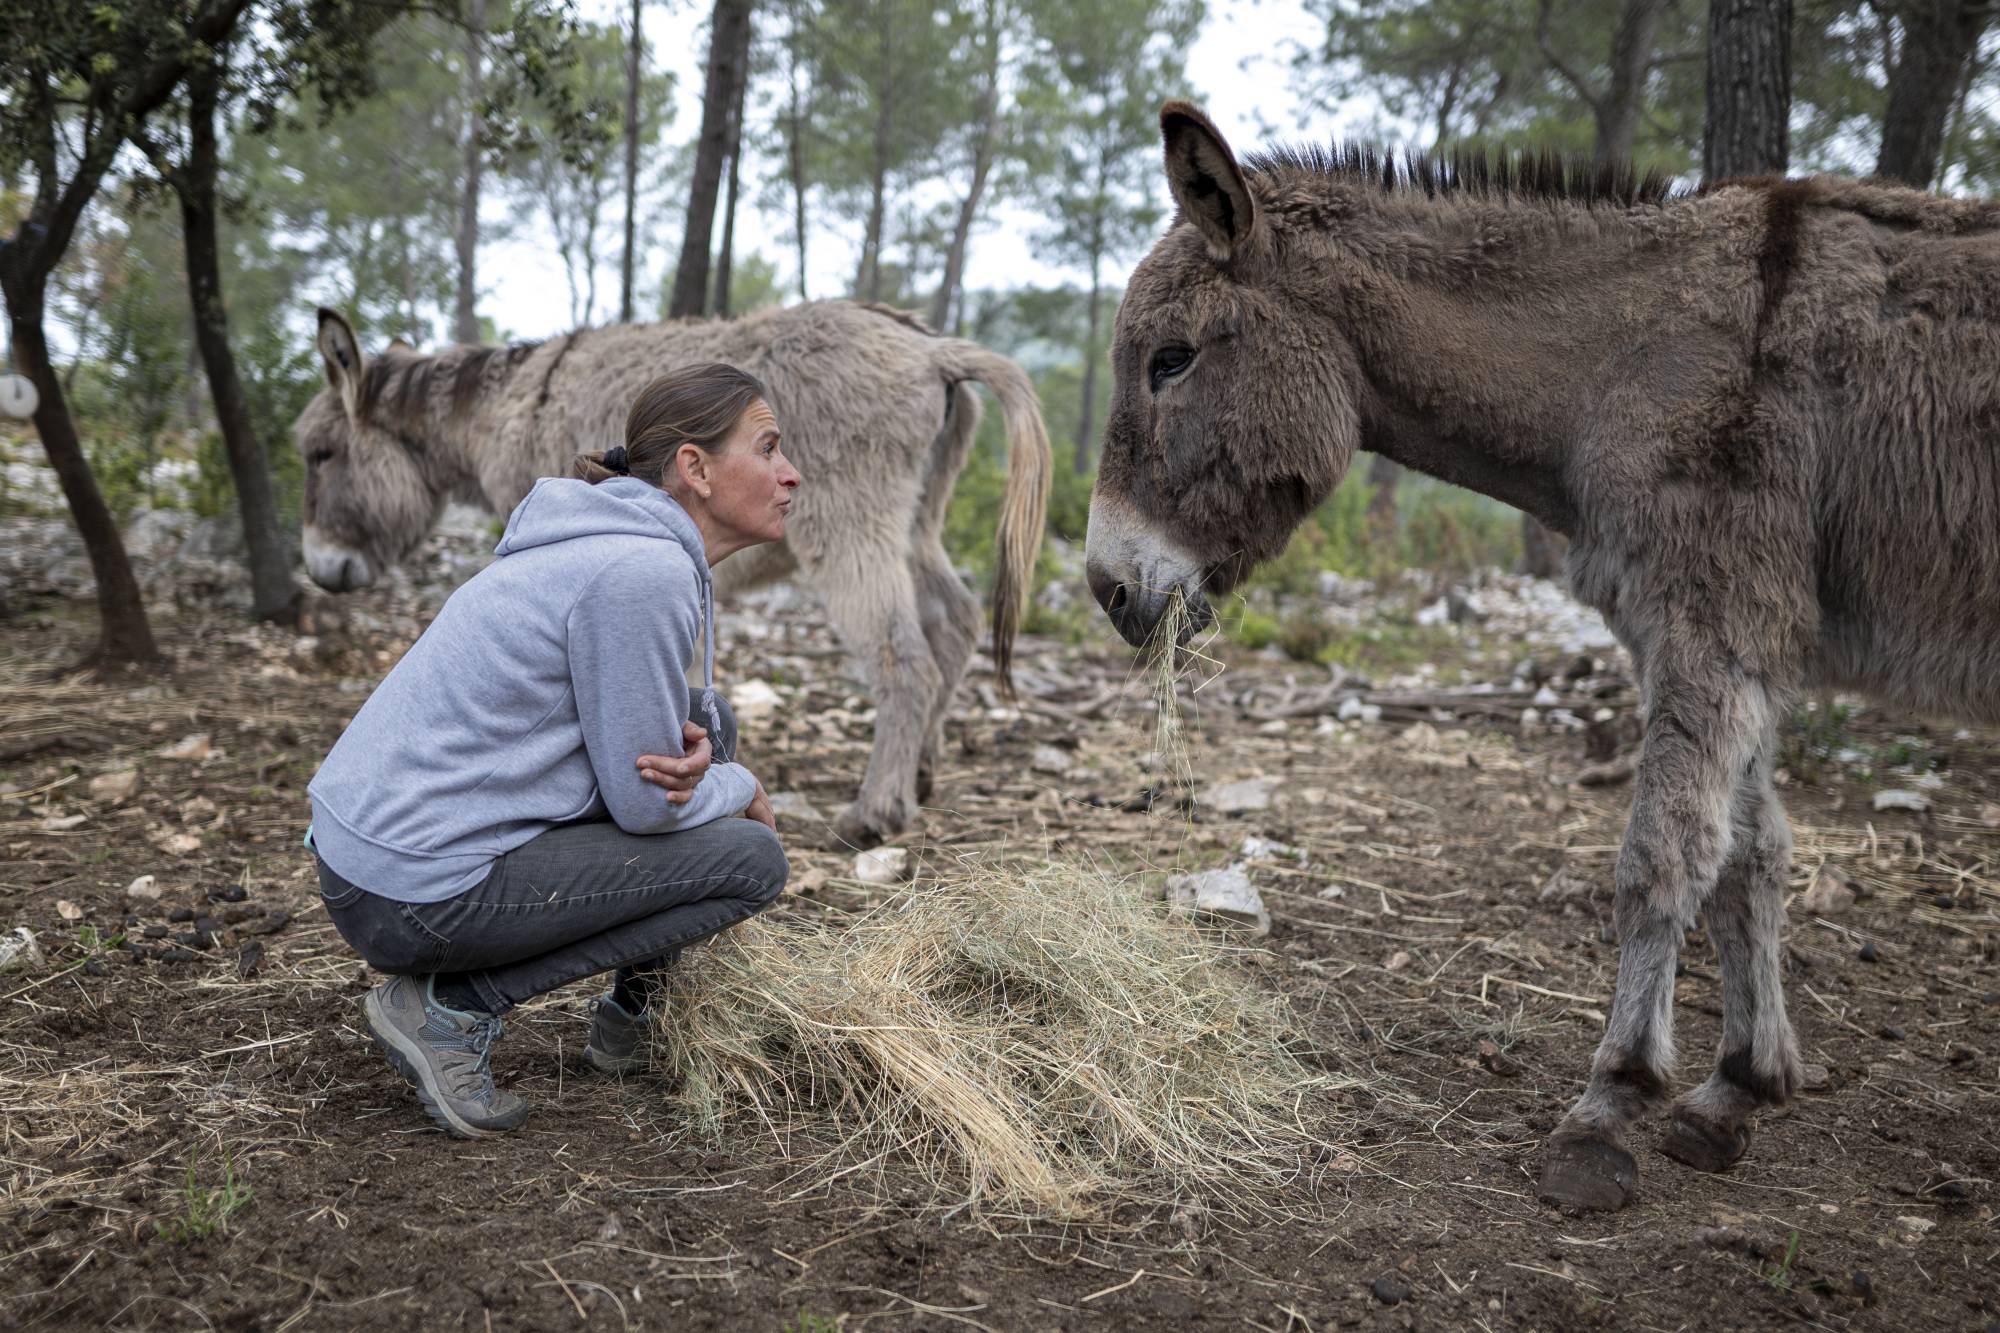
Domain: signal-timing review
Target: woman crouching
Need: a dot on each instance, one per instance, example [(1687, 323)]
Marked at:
[(533, 795)]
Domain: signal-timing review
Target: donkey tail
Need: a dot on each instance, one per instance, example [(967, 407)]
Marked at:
[(1025, 506)]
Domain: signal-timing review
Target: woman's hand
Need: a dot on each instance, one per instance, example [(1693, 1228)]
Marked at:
[(681, 774), (760, 810)]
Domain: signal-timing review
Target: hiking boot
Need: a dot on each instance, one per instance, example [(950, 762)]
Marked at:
[(446, 1055), (617, 1037)]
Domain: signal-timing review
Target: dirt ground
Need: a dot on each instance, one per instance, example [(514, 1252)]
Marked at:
[(1445, 940)]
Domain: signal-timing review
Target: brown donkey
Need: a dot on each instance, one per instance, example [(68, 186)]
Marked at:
[(1766, 415)]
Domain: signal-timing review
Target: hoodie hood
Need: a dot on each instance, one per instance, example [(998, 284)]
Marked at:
[(561, 509)]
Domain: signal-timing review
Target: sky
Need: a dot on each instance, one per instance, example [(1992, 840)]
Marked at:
[(1237, 66)]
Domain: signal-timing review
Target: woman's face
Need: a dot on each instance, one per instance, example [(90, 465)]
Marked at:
[(751, 482)]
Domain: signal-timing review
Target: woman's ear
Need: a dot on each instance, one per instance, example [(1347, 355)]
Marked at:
[(691, 464)]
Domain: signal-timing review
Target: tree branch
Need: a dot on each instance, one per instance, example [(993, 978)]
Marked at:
[(1557, 63)]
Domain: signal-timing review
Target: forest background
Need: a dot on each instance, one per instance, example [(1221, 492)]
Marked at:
[(183, 181)]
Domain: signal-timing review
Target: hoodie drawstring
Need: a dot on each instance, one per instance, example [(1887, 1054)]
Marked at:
[(708, 661)]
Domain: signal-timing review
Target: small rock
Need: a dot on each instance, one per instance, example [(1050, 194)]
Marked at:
[(193, 749), (114, 787), (1531, 720), (1420, 736), (1899, 798), (754, 700), (1050, 759), (1390, 1289), (146, 889), (882, 866), (1915, 1228), (1353, 710), (1397, 961), (1989, 814), (1868, 953), (1255, 848), (18, 950), (62, 823), (68, 910), (810, 880), (1241, 798), (178, 844), (794, 805), (1889, 1032), (1830, 894), (198, 810), (1546, 698), (1228, 894), (1815, 1078)]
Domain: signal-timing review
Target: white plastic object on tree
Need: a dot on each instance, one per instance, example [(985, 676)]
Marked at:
[(18, 398)]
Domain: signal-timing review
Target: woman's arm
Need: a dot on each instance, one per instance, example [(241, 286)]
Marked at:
[(630, 639)]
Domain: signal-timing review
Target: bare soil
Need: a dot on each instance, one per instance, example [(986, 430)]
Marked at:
[(1462, 969)]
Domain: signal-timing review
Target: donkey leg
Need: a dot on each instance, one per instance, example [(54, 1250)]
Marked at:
[(950, 615), (1758, 1063), (873, 607), (1702, 729)]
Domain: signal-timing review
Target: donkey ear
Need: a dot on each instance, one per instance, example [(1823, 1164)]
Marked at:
[(342, 354), (1207, 183), (401, 344)]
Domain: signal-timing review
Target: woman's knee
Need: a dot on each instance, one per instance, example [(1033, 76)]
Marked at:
[(764, 862)]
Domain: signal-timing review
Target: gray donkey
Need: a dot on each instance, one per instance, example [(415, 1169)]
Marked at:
[(878, 415), (1767, 416)]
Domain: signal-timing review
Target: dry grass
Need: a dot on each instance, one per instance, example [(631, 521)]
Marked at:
[(1053, 1044)]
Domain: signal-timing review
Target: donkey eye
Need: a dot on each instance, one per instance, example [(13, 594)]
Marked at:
[(321, 455), (1169, 362)]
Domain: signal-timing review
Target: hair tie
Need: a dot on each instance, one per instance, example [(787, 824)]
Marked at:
[(617, 460)]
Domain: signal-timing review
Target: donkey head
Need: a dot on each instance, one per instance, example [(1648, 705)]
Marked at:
[(1233, 408), (368, 502)]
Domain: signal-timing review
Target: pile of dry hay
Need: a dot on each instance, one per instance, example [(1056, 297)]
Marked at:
[(1051, 1043)]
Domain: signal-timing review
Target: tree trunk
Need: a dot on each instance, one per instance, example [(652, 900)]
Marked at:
[(868, 278), (726, 258), (465, 327), (124, 634), (1749, 89), (795, 147), (1086, 423), (634, 63), (728, 62), (1631, 54), (982, 166), (1939, 38), (1383, 475), (274, 596)]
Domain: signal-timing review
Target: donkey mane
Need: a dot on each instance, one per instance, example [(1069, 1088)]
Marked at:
[(1527, 174), (412, 388)]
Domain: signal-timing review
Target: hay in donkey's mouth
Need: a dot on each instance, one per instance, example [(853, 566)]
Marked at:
[(1048, 1044)]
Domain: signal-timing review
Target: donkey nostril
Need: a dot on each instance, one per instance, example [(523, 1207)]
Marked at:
[(1118, 600)]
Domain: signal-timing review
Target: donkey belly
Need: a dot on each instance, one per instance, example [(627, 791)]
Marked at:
[(1945, 667)]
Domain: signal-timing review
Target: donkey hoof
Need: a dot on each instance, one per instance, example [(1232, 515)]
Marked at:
[(1588, 1176), (861, 828), (1703, 1145)]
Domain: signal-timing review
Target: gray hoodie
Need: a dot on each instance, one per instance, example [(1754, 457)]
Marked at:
[(527, 701)]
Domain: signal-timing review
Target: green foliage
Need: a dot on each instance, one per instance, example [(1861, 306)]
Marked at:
[(805, 1321), (204, 1209)]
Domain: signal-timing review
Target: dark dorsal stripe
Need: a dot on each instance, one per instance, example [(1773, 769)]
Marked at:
[(1533, 174), (403, 389)]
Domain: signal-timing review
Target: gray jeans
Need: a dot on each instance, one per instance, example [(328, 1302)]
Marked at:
[(575, 901)]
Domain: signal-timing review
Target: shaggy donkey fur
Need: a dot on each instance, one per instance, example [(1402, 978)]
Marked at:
[(1767, 416), (878, 415)]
